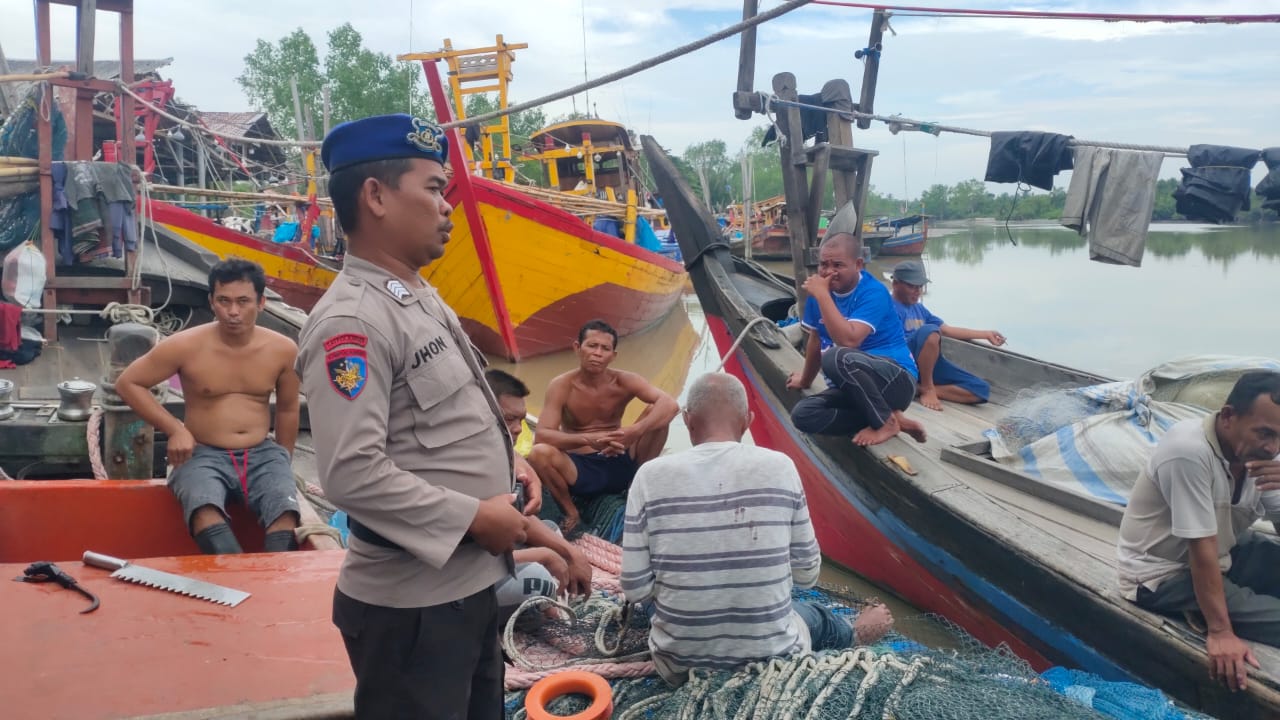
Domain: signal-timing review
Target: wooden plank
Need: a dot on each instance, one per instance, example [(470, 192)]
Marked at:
[(791, 144), (817, 184), (746, 62), (86, 20), (871, 70)]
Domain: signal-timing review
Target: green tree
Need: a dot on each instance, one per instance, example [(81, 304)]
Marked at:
[(522, 127), (361, 82), (712, 168)]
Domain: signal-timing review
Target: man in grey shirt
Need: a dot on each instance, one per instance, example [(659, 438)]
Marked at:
[(1185, 539)]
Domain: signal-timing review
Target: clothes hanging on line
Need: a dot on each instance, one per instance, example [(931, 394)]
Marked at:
[(1030, 157), (835, 95), (1110, 200), (1216, 186)]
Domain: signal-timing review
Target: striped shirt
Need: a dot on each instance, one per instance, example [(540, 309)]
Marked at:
[(716, 536)]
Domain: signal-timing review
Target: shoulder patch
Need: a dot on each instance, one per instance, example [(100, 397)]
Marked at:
[(348, 370), (345, 339), (397, 288)]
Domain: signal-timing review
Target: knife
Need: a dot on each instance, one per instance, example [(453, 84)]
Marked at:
[(125, 570)]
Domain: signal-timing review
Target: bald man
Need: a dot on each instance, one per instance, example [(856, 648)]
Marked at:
[(711, 606)]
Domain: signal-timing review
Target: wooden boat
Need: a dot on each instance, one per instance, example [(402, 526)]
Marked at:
[(1007, 558), (522, 273), (886, 236)]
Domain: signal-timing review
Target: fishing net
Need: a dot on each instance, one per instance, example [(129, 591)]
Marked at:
[(601, 516), (20, 213), (953, 677)]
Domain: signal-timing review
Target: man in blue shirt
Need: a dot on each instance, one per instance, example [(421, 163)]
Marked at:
[(940, 379), (856, 339)]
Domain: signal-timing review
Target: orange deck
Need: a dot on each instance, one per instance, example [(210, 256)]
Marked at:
[(147, 651)]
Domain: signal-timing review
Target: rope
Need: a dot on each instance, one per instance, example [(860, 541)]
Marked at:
[(934, 128), (741, 336), (4, 475), (93, 438), (127, 312), (303, 532)]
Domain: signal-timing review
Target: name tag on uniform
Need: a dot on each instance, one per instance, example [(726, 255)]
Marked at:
[(428, 352)]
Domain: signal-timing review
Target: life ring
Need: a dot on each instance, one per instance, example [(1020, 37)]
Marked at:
[(570, 682)]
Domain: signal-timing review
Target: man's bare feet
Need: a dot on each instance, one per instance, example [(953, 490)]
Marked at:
[(874, 436), (929, 398), (872, 623), (911, 427)]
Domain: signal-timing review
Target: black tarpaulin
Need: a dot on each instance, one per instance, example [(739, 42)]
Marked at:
[(835, 95), (1216, 186), (1029, 157)]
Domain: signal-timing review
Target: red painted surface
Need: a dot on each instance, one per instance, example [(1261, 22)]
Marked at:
[(147, 651), (851, 540), (461, 193), (59, 520), (914, 248)]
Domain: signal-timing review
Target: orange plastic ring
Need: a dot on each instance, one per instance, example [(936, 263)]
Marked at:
[(570, 682)]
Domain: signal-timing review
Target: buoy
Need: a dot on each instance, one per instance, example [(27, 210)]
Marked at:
[(570, 682)]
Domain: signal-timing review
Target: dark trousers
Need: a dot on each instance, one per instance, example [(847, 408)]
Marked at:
[(1252, 588), (867, 389), (442, 662)]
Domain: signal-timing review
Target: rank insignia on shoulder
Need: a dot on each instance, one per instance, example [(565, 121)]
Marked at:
[(397, 288), (348, 371)]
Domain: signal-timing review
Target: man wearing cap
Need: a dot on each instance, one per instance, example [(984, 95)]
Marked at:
[(940, 379), (856, 339), (409, 439)]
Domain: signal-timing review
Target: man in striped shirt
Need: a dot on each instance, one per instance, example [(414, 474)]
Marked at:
[(716, 537)]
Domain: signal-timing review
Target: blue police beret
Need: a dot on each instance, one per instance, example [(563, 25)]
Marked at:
[(383, 137)]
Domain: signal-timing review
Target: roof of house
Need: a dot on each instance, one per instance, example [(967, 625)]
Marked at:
[(234, 123)]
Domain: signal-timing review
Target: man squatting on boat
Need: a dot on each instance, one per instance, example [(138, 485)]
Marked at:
[(856, 338), (221, 450), (582, 449), (1186, 540)]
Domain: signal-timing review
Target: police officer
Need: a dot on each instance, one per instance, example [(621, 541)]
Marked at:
[(410, 439)]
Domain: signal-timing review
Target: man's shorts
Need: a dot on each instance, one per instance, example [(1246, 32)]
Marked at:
[(600, 474), (946, 372), (215, 476)]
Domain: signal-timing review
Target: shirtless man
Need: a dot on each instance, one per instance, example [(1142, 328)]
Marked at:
[(581, 449), (221, 451)]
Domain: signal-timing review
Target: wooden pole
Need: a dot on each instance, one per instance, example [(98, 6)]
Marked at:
[(871, 70), (7, 103), (791, 149), (86, 15), (324, 94), (746, 62), (748, 192), (297, 109)]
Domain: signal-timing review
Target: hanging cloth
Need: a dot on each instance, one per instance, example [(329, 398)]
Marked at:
[(1029, 157), (1216, 186)]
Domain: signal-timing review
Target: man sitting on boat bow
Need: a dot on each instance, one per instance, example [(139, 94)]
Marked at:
[(220, 450), (940, 379), (715, 538), (582, 448), (856, 339), (1186, 542)]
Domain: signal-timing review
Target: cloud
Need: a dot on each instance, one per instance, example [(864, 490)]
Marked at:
[(1153, 83)]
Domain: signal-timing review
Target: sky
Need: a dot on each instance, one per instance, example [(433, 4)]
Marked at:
[(1175, 85)]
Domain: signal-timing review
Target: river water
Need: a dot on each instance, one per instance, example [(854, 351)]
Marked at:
[(1200, 290)]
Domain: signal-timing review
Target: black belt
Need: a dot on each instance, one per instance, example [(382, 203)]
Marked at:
[(365, 533)]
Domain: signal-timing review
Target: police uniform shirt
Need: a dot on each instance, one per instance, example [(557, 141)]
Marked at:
[(408, 436)]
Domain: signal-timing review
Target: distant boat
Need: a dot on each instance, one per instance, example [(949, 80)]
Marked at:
[(887, 236)]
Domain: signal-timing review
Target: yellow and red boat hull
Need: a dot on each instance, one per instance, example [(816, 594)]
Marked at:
[(522, 275)]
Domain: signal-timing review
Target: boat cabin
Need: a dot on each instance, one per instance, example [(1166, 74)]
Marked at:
[(587, 157)]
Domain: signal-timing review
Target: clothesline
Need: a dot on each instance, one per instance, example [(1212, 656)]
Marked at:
[(935, 128), (1046, 15)]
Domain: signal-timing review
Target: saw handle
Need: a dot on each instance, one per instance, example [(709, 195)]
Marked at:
[(106, 562)]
